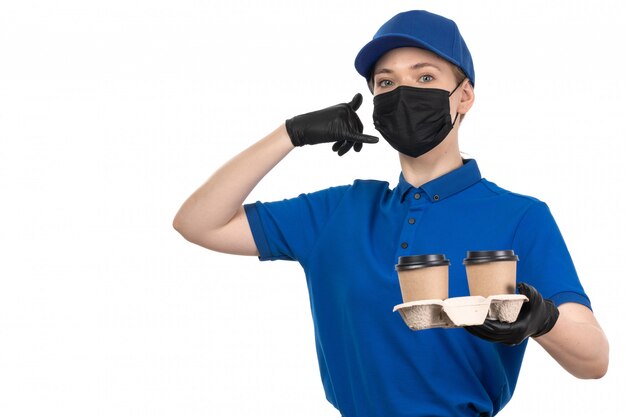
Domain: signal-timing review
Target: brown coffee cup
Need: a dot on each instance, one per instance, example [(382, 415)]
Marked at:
[(423, 277), (491, 272)]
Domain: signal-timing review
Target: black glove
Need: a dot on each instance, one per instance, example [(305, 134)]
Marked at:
[(536, 318), (338, 123)]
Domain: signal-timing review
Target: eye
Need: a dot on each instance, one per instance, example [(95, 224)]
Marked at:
[(381, 83), (426, 78)]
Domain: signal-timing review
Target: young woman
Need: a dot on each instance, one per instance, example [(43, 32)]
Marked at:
[(348, 239)]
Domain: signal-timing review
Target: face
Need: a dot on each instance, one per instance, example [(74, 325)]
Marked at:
[(418, 67)]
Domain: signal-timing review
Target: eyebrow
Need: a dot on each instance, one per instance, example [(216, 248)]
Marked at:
[(413, 67)]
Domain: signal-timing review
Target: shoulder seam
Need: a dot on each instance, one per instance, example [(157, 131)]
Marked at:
[(330, 215), (530, 206), (378, 182), (489, 185)]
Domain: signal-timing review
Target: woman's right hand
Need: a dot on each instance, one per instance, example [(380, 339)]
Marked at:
[(338, 123)]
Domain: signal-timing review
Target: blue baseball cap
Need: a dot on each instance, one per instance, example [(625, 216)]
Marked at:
[(421, 29)]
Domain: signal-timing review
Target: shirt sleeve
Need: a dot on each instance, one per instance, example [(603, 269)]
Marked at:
[(288, 229), (544, 260)]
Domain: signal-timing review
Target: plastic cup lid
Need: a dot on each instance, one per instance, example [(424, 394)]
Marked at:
[(421, 261), (483, 256)]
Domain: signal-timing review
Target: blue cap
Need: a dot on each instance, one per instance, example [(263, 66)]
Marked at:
[(421, 29)]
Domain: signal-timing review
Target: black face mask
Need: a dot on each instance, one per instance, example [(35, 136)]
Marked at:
[(414, 120)]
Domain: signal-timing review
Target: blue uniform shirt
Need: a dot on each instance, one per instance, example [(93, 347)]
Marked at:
[(348, 240)]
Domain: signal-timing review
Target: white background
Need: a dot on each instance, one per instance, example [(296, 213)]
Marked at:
[(113, 112)]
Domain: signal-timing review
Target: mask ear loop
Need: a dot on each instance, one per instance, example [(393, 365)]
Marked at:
[(454, 121), (457, 86), (457, 113)]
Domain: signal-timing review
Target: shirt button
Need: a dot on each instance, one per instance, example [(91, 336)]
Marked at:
[(417, 196), (436, 197), (411, 220), (404, 245)]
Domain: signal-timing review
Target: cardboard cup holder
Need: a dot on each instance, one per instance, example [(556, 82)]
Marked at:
[(460, 311)]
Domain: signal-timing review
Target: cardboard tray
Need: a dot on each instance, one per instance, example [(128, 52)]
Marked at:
[(460, 311)]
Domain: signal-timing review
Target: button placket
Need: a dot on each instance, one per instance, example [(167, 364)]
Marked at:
[(412, 218)]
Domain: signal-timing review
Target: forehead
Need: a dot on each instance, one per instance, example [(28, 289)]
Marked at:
[(399, 58)]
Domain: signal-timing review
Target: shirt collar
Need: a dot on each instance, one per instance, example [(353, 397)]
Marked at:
[(448, 184)]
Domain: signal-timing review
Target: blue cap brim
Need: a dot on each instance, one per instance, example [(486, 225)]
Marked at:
[(376, 48)]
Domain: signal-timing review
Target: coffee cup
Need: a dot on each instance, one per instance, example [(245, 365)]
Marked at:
[(491, 272), (423, 277)]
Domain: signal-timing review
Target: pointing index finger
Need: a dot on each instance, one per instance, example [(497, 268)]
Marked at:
[(360, 137)]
